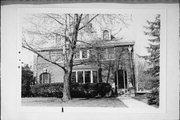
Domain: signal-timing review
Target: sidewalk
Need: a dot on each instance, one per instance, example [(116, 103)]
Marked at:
[(133, 103)]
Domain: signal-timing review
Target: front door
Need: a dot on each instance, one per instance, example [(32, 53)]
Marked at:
[(121, 80)]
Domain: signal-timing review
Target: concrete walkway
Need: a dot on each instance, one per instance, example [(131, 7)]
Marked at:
[(133, 103)]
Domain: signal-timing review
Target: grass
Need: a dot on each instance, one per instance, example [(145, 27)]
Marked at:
[(143, 98), (75, 102)]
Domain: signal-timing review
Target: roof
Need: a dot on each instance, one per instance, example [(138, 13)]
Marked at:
[(95, 43), (85, 67)]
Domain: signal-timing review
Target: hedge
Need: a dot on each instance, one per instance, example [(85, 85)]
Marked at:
[(88, 90), (25, 90), (153, 98), (47, 90)]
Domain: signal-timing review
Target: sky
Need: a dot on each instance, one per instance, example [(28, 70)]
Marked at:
[(134, 32)]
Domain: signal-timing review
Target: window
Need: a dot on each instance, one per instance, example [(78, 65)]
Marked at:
[(87, 76), (81, 54), (110, 53), (56, 56), (84, 76), (77, 55), (73, 77), (45, 78), (106, 35), (94, 76), (80, 76), (103, 53), (84, 53)]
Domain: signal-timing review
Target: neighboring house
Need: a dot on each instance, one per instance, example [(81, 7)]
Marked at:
[(119, 52)]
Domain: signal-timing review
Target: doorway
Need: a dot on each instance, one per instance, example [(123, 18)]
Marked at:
[(121, 80)]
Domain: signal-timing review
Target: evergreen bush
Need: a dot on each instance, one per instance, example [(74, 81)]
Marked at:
[(87, 90)]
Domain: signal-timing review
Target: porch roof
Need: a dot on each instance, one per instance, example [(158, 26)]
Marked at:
[(95, 43)]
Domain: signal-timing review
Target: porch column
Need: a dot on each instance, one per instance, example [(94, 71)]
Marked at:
[(76, 76), (83, 76), (124, 79), (130, 48), (91, 76)]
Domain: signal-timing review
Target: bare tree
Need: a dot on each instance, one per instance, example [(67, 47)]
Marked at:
[(67, 27), (67, 30)]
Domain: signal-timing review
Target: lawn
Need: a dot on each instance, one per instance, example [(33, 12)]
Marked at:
[(143, 98), (75, 102)]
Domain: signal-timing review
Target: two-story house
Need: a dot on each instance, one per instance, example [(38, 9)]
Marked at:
[(100, 52)]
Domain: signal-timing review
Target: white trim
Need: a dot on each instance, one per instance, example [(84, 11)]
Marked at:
[(107, 54), (88, 53), (80, 54), (76, 76), (91, 76), (83, 76)]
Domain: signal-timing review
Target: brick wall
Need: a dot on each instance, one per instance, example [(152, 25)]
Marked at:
[(56, 72)]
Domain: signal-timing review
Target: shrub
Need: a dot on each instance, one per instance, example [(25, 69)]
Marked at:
[(47, 90), (152, 83), (153, 98), (77, 91), (26, 80), (104, 88), (25, 90), (88, 90)]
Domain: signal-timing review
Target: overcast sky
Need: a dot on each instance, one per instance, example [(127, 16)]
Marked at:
[(133, 33)]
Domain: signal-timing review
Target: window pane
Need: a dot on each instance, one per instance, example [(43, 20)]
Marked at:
[(106, 35), (45, 78), (94, 76), (87, 76), (103, 53), (73, 77), (80, 76), (77, 55), (110, 53), (84, 53)]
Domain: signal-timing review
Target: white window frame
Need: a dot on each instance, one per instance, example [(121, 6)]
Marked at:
[(109, 37), (91, 75), (107, 54), (80, 55)]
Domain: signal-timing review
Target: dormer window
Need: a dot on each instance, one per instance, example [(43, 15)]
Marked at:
[(106, 35)]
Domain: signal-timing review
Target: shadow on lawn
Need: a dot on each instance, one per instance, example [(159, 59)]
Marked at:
[(74, 102)]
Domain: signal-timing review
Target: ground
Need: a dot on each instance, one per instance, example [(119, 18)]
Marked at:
[(118, 102), (143, 98), (75, 102)]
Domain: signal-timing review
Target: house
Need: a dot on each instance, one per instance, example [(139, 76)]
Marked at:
[(88, 60)]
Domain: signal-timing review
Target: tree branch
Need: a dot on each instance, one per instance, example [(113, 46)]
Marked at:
[(81, 62), (34, 51), (85, 42), (55, 19), (88, 22)]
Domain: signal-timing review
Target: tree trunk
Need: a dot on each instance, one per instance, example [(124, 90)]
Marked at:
[(109, 69), (100, 74), (115, 80), (66, 88), (68, 71), (67, 83)]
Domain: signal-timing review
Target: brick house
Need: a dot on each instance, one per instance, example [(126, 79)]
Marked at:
[(122, 76)]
